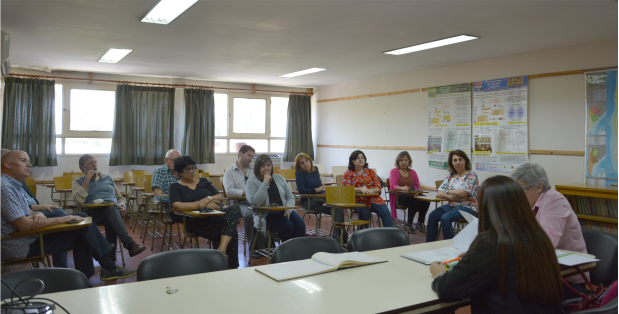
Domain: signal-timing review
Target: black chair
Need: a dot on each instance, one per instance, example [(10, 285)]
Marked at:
[(376, 239), (55, 280), (604, 246), (303, 248), (180, 263)]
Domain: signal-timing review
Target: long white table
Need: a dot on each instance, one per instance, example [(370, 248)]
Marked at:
[(399, 285)]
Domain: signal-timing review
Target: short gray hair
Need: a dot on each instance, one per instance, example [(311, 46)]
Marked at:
[(84, 159), (4, 151), (532, 174)]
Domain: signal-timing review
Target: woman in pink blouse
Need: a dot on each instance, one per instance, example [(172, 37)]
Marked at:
[(459, 188), (366, 181), (403, 178)]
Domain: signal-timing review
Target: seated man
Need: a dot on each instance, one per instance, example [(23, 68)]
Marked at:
[(86, 242), (97, 186), (235, 178), (165, 175)]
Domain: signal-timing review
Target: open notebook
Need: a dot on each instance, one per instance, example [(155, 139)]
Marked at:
[(318, 264)]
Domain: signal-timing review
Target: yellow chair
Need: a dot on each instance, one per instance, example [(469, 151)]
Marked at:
[(340, 198), (289, 175), (147, 195), (217, 182), (203, 175), (63, 185), (140, 202), (30, 183), (276, 169), (339, 179)]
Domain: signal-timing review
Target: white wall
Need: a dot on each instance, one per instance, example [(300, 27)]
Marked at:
[(556, 111)]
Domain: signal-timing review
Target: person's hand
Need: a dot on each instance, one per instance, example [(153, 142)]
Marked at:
[(320, 189), (38, 221), (212, 206), (72, 217), (36, 208), (363, 190), (91, 173), (461, 254), (122, 209), (267, 178), (403, 188), (435, 268), (287, 214)]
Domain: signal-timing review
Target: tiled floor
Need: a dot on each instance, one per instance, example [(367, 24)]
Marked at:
[(133, 262)]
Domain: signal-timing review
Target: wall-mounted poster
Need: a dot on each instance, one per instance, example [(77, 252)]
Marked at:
[(449, 118), (601, 153), (500, 129)]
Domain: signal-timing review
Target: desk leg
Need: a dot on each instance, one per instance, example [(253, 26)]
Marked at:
[(42, 247)]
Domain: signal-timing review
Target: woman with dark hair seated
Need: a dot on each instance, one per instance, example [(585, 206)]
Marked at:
[(190, 194), (268, 189), (403, 178), (511, 266), (459, 188), (366, 181)]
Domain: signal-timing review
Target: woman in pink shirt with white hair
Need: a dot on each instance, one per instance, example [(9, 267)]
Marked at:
[(553, 212)]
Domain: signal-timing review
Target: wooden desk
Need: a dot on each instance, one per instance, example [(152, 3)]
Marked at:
[(55, 228), (407, 192), (193, 214)]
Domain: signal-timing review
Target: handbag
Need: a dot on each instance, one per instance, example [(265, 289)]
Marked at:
[(587, 301)]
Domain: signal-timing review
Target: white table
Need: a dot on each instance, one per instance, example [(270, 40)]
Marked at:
[(399, 285)]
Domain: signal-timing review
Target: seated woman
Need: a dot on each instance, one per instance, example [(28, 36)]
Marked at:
[(190, 194), (268, 189), (309, 182), (366, 181), (554, 214), (402, 178), (459, 188), (511, 266)]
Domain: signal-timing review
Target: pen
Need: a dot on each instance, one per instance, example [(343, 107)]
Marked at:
[(452, 260)]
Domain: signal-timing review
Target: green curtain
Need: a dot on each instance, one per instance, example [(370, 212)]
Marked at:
[(199, 139), (143, 125), (28, 119), (299, 130)]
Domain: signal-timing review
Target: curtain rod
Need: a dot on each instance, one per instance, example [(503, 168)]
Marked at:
[(90, 80)]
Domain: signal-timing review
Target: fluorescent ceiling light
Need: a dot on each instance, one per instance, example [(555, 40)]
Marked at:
[(303, 72), (114, 55), (430, 45), (167, 10)]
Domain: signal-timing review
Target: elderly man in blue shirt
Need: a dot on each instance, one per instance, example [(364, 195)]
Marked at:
[(86, 242), (165, 175)]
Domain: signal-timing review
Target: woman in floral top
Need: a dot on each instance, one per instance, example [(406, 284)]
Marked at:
[(366, 181), (459, 188)]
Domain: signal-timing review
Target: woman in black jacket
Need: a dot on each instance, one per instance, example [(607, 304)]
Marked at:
[(511, 266)]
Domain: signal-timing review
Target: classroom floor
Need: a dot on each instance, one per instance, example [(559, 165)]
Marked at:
[(132, 263)]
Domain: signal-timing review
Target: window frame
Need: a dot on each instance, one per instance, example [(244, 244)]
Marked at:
[(66, 116)]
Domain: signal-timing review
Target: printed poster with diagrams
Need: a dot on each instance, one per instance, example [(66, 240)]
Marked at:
[(449, 110), (601, 153), (500, 129)]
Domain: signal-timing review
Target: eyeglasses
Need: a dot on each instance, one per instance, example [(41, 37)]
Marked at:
[(525, 188), (192, 169)]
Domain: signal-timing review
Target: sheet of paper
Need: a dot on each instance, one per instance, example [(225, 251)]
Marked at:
[(573, 259), (469, 218), (427, 257), (291, 270), (464, 238), (335, 260)]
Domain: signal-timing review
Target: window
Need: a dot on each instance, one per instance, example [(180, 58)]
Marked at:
[(84, 119), (256, 120)]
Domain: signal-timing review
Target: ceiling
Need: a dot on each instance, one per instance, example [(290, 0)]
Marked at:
[(255, 41)]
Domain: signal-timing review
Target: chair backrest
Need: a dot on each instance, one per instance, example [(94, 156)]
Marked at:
[(148, 188), (376, 239), (303, 248), (321, 168), (63, 183), (128, 177), (72, 173), (203, 175), (30, 183), (276, 170), (139, 172), (55, 280), (74, 176), (604, 246), (340, 194), (338, 170), (138, 179), (197, 173), (438, 183), (287, 173), (217, 182), (180, 263), (338, 180)]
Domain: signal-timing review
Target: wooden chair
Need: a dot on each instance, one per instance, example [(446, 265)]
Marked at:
[(290, 176), (140, 201), (401, 226), (217, 182), (340, 198), (338, 170), (30, 183), (276, 169), (63, 185), (156, 213), (339, 179), (203, 175)]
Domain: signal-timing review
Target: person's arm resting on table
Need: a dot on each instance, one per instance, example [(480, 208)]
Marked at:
[(177, 205)]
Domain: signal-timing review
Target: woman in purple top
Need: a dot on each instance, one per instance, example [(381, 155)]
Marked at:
[(403, 178), (459, 188)]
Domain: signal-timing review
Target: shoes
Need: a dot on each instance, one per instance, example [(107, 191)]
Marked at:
[(136, 249), (118, 273), (256, 255), (422, 227), (112, 254), (410, 229)]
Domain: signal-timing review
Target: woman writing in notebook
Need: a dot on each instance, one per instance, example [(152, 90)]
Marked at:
[(511, 266), (403, 178), (366, 181), (268, 189), (459, 188)]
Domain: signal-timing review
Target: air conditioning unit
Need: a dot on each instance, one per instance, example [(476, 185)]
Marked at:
[(5, 65)]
